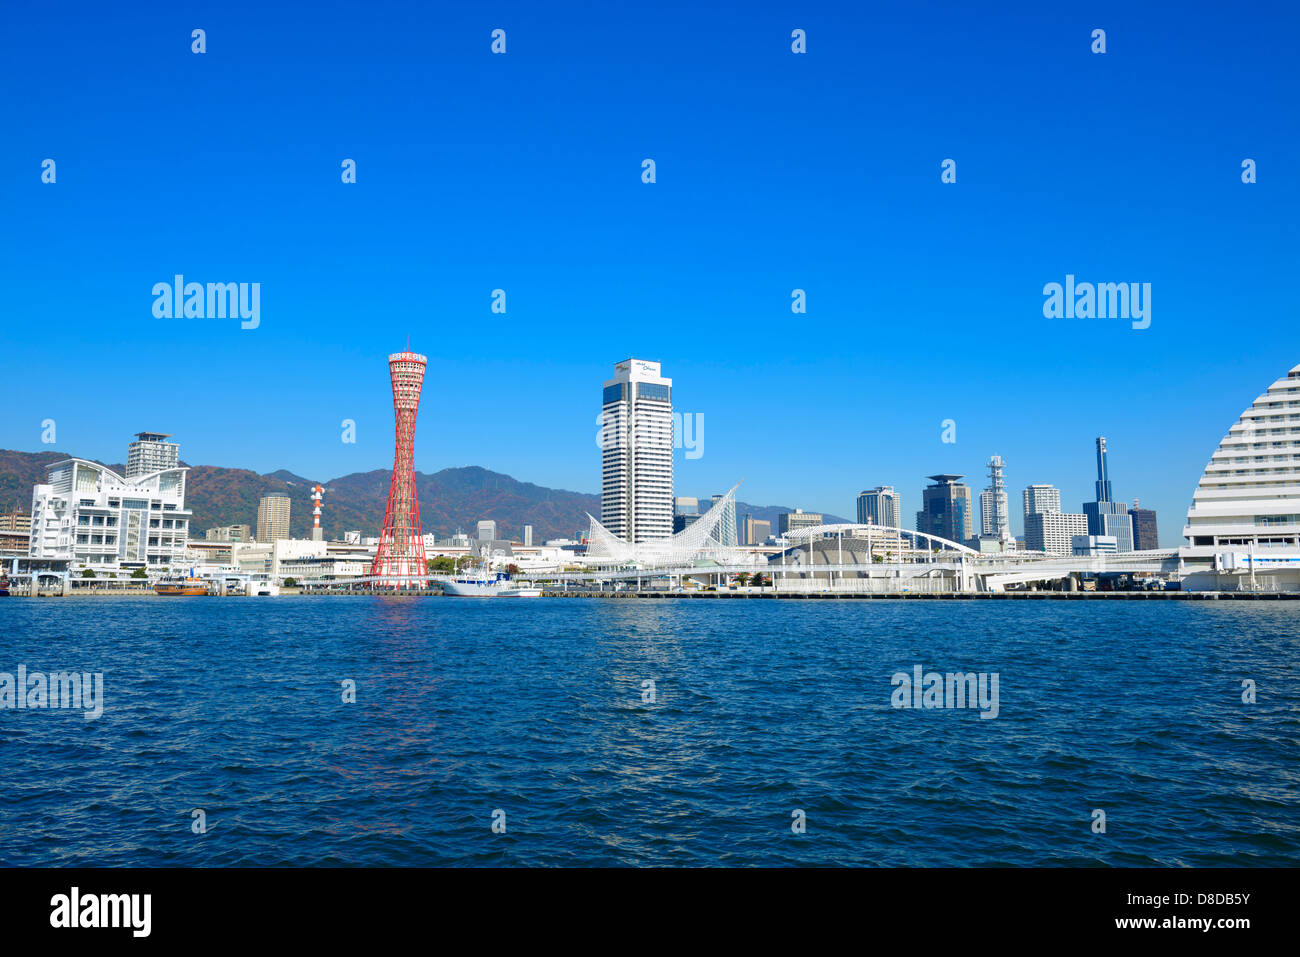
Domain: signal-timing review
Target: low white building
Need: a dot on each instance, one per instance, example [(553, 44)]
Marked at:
[(89, 515)]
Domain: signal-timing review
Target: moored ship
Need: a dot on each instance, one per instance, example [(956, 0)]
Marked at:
[(486, 585), (189, 586)]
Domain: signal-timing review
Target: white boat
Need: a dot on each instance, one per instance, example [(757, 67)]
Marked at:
[(479, 585)]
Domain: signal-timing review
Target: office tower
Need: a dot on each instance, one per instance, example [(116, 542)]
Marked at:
[(486, 531), (1146, 536), (1042, 499), (273, 518), (150, 453), (401, 543), (528, 536), (1052, 532), (725, 534), (788, 522), (1106, 517), (880, 506), (1103, 475), (686, 510), (757, 531), (636, 440), (946, 509)]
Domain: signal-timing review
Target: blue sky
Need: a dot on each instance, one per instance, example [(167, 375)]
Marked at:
[(775, 171)]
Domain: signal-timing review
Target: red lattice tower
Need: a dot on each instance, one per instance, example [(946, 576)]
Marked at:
[(401, 544)]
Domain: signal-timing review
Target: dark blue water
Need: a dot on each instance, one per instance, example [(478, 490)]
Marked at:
[(535, 708)]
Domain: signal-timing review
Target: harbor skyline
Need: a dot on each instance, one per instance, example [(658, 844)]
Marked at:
[(752, 150)]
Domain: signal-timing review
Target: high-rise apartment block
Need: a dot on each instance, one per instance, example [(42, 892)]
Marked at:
[(273, 518)]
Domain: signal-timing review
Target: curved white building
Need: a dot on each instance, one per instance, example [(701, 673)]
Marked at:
[(1243, 529)]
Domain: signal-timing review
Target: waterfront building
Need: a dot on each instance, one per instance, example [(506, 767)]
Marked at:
[(726, 531), (88, 514), (788, 522), (636, 440), (229, 533), (880, 506), (151, 452), (1243, 526), (1146, 535), (486, 530), (946, 509), (272, 518), (1107, 517), (1042, 499), (1053, 532)]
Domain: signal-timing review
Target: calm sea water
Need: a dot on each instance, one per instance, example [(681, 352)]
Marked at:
[(535, 708)]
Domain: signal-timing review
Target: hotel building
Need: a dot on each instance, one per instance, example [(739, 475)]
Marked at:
[(636, 440), (89, 515), (1243, 527)]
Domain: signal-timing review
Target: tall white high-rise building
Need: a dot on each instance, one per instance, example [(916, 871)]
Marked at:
[(1042, 500), (528, 536), (151, 453), (995, 516), (636, 441)]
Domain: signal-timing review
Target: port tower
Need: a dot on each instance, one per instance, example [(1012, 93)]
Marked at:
[(400, 557)]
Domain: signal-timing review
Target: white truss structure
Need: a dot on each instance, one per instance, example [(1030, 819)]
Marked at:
[(696, 542)]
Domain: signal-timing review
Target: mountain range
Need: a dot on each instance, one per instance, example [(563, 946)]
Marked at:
[(453, 499)]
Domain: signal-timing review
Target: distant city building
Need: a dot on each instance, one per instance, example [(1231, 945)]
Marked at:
[(880, 506), (788, 522), (273, 518), (486, 530), (726, 532), (1053, 532), (353, 537), (230, 533), (15, 533), (1106, 517), (528, 536), (946, 509), (755, 531), (1146, 536), (150, 452), (89, 514), (636, 439), (1041, 499), (995, 515), (686, 509), (1088, 545)]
